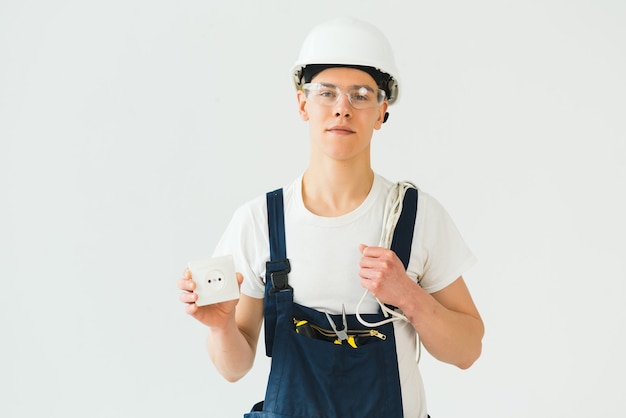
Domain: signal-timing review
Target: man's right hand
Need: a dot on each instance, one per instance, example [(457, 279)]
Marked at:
[(214, 316)]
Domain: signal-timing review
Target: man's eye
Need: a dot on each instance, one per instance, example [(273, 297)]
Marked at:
[(360, 96), (327, 93)]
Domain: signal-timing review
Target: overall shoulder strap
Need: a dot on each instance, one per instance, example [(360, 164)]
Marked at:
[(278, 268), (276, 224), (403, 232)]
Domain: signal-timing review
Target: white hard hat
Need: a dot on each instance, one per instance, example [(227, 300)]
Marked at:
[(348, 42)]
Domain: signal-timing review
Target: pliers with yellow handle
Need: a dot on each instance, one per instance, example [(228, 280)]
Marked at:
[(342, 334)]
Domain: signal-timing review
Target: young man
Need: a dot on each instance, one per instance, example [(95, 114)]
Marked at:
[(327, 360)]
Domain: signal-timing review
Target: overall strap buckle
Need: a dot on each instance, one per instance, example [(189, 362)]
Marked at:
[(278, 272)]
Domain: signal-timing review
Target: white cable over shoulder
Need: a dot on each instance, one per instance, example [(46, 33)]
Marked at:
[(393, 208)]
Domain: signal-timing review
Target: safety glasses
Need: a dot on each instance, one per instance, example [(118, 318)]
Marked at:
[(360, 97)]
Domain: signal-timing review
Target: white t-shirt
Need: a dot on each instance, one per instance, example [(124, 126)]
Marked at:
[(324, 257)]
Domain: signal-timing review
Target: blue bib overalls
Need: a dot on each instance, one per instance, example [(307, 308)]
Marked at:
[(316, 378)]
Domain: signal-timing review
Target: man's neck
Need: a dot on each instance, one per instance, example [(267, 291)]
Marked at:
[(336, 191)]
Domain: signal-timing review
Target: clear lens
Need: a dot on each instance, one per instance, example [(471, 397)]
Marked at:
[(360, 97)]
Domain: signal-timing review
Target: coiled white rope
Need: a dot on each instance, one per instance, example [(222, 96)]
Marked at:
[(393, 209)]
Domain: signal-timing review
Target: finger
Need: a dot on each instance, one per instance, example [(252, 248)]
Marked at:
[(375, 252), (191, 309), (367, 263), (368, 251), (369, 255), (186, 285), (370, 259), (188, 297), (370, 274)]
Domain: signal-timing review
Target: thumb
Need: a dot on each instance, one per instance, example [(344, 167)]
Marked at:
[(362, 248), (239, 279)]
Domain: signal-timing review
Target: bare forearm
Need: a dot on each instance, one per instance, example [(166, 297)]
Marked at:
[(450, 336), (231, 352)]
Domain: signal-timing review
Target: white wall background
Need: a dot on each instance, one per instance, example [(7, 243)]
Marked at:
[(130, 130)]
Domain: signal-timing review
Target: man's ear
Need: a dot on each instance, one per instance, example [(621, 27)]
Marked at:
[(304, 115), (382, 115)]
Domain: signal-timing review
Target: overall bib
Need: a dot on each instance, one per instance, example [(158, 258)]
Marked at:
[(320, 378)]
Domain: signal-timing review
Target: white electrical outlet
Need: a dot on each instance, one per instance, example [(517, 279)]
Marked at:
[(216, 280)]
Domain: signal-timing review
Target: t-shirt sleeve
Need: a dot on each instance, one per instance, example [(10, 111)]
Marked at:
[(245, 238), (443, 253)]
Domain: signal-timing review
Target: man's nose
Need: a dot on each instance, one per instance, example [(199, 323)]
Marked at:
[(343, 107)]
